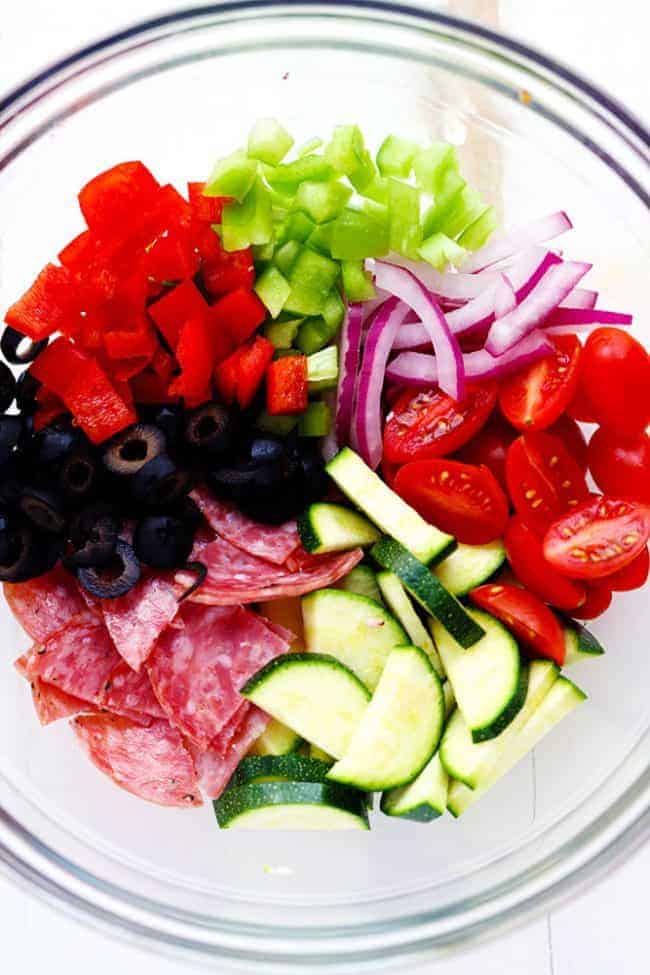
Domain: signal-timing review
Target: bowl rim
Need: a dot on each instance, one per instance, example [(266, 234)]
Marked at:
[(28, 861)]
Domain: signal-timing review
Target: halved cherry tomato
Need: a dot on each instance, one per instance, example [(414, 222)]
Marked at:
[(598, 538), (616, 380), (543, 479), (580, 408), (633, 576), (463, 500), (389, 472), (489, 447), (599, 598), (526, 558), (529, 619), (621, 467), (572, 437), (425, 424), (536, 396)]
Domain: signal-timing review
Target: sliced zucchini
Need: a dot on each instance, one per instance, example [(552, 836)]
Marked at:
[(286, 612), (580, 644), (386, 509), (488, 679), (291, 806), (276, 739), (318, 753), (450, 700), (399, 603), (354, 629), (363, 581), (279, 768), (400, 729), (332, 528), (562, 698), (424, 800), (428, 591), (469, 566), (316, 696), (472, 762)]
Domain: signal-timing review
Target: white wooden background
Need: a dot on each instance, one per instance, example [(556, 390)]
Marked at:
[(606, 929)]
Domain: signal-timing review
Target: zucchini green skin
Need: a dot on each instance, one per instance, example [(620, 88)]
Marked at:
[(291, 768), (260, 795), (508, 714), (316, 523), (428, 590), (297, 660), (362, 581), (458, 571), (424, 813), (580, 643)]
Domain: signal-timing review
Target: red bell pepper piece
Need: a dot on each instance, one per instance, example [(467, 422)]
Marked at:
[(117, 196), (225, 377), (49, 407), (169, 252), (52, 304), (170, 312), (205, 209), (286, 385), (194, 354), (147, 387), (224, 271), (239, 313), (130, 345), (163, 364), (253, 363)]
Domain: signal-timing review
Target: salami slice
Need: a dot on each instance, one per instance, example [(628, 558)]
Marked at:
[(136, 620), (273, 543), (50, 703), (216, 764), (129, 693), (43, 605), (198, 667), (150, 762), (235, 577), (78, 658)]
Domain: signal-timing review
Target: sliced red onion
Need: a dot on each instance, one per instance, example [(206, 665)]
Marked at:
[(505, 298), (449, 285), (553, 288), (504, 246), (587, 316), (418, 369), (404, 285), (350, 348), (580, 298), (367, 413)]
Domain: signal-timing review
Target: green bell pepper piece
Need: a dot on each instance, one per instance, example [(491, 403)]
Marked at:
[(357, 282), (310, 146), (249, 222), (323, 369), (313, 335), (316, 421), (278, 426), (269, 141), (334, 310), (405, 232), (478, 232), (297, 226), (396, 155), (285, 256), (312, 278), (273, 289), (283, 333), (432, 165), (233, 176), (468, 207), (287, 177), (357, 235), (440, 250), (322, 201)]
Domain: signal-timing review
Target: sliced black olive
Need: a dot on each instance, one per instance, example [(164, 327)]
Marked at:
[(200, 571), (210, 429), (163, 542), (93, 534), (247, 482), (189, 513), (78, 476), (11, 430), (12, 478), (160, 483), (18, 349), (169, 418), (114, 579), (44, 508), (27, 554), (136, 446), (5, 538), (26, 389), (7, 387), (53, 443), (315, 483), (266, 450)]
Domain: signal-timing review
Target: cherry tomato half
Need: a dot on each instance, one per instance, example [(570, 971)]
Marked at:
[(597, 538), (543, 479), (616, 380), (536, 396), (580, 408), (621, 467), (526, 615), (490, 446), (428, 423), (526, 558), (572, 437), (633, 576), (463, 500), (599, 598)]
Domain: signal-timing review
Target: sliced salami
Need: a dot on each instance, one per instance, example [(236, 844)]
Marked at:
[(52, 704), (197, 668), (43, 605), (273, 543), (129, 693), (150, 762), (216, 764), (136, 620), (78, 659)]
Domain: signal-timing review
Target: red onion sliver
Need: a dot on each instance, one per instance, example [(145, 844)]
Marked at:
[(587, 316), (580, 298), (502, 247), (367, 413), (505, 298), (448, 285), (350, 349), (556, 284), (404, 285), (417, 369)]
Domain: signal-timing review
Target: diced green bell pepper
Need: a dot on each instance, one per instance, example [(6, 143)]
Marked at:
[(273, 289), (432, 165), (405, 233), (278, 426), (357, 235), (316, 421), (250, 222), (323, 369), (312, 278), (333, 310), (357, 282), (285, 256), (319, 239), (233, 176), (448, 201), (269, 141), (283, 333), (396, 155), (314, 334), (478, 232), (322, 201), (287, 177), (310, 146), (263, 253), (297, 227), (347, 154), (468, 207), (440, 250)]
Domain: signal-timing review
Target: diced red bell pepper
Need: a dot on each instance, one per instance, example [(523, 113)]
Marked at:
[(239, 313), (253, 363), (163, 364), (206, 209), (130, 345), (49, 407), (169, 252), (94, 262), (225, 377), (147, 387), (116, 197), (194, 354), (225, 271), (52, 304), (170, 312), (286, 385), (123, 370)]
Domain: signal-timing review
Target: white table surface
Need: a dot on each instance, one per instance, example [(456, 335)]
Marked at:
[(604, 930)]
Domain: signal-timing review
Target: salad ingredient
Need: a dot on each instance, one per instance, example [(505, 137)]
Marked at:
[(315, 695), (362, 581), (422, 425), (26, 554), (463, 500), (286, 385), (18, 349), (506, 245), (490, 683), (488, 448), (78, 658), (598, 599), (399, 730), (271, 768), (533, 623), (160, 483), (535, 397), (353, 629), (276, 739), (133, 448), (43, 508), (598, 538), (528, 562), (395, 156), (567, 430), (216, 763), (162, 542), (269, 142), (422, 800), (333, 528), (273, 543), (385, 508), (350, 350), (400, 605), (209, 430), (7, 387), (468, 566), (543, 480), (621, 467), (632, 576), (130, 694), (428, 591), (291, 805), (580, 644), (44, 605), (114, 579), (616, 381)]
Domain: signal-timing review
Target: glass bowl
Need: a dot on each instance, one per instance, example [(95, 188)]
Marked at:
[(177, 92)]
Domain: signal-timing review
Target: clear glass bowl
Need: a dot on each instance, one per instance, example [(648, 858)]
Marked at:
[(177, 92)]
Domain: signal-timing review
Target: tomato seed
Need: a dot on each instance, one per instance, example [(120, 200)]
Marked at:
[(553, 461), (630, 539), (529, 494), (579, 553)]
